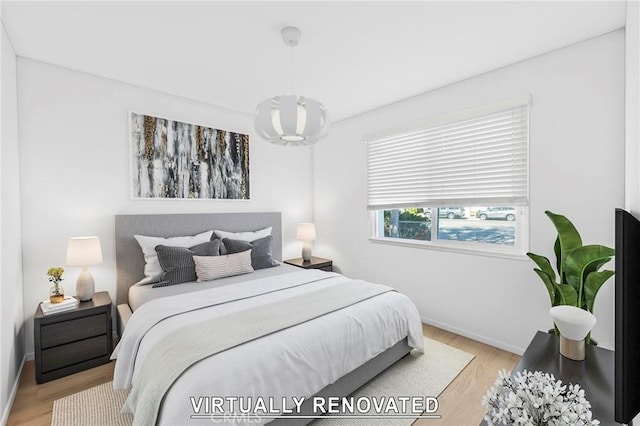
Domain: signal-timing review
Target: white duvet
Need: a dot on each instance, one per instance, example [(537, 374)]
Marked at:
[(298, 361)]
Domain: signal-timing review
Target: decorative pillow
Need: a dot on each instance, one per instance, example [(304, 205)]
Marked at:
[(244, 236), (213, 267), (152, 269), (177, 262), (261, 252)]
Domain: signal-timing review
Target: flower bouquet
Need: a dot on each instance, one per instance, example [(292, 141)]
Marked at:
[(56, 292), (536, 399)]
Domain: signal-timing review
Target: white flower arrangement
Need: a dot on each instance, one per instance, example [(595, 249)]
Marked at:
[(535, 399)]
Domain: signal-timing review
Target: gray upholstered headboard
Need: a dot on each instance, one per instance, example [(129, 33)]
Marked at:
[(129, 258)]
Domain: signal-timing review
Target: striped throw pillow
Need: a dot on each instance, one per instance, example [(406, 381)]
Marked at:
[(213, 267)]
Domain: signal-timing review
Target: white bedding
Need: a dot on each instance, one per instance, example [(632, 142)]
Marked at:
[(298, 361)]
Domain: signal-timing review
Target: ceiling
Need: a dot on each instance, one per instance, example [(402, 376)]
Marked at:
[(353, 56)]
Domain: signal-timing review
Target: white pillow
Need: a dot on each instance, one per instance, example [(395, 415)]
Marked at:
[(213, 267), (152, 269), (244, 236)]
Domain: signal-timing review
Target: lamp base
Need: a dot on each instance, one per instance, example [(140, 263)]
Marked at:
[(85, 286), (306, 252), (572, 349)]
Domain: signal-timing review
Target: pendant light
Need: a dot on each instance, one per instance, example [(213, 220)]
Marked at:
[(289, 119)]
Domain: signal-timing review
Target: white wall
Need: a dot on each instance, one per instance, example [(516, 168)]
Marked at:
[(632, 108), (576, 168), (74, 167), (11, 314), (632, 113)]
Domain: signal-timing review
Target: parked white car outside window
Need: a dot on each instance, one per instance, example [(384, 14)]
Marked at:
[(501, 213)]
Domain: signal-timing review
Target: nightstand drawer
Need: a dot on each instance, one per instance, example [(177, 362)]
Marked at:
[(73, 330), (62, 356)]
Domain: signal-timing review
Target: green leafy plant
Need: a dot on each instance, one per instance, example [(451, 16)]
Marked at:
[(579, 277)]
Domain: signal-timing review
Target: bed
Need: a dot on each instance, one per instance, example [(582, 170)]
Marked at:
[(331, 352)]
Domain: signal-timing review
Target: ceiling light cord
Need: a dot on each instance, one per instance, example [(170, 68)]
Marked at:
[(293, 71)]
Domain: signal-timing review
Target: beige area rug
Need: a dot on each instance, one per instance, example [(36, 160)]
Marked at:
[(99, 405), (422, 375)]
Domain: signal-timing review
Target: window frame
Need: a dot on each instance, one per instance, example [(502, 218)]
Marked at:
[(517, 251)]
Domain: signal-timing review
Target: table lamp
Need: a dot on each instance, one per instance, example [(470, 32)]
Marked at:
[(574, 325), (84, 251), (306, 233)]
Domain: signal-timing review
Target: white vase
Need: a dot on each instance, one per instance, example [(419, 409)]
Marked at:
[(574, 325)]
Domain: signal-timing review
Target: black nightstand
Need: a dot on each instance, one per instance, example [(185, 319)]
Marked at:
[(595, 374), (72, 341), (314, 263)]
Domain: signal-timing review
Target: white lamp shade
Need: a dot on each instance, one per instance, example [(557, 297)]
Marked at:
[(84, 251), (306, 232), (574, 323), (291, 120)]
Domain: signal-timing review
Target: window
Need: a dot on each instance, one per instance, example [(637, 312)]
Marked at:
[(458, 181), (408, 224)]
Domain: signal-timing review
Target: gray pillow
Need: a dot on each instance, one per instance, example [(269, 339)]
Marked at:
[(261, 252), (177, 262)]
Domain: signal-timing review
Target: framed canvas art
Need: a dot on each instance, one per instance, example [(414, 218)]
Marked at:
[(176, 160)]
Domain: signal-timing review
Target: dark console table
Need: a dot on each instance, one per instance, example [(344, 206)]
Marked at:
[(595, 374)]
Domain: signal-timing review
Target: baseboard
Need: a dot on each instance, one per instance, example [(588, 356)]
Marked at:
[(30, 356), (14, 391), (476, 337)]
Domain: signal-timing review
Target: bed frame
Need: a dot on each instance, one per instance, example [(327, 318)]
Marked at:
[(130, 267)]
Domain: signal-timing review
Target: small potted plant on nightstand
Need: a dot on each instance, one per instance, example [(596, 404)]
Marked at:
[(56, 292)]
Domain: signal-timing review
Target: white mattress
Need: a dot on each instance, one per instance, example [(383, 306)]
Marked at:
[(298, 361), (140, 294)]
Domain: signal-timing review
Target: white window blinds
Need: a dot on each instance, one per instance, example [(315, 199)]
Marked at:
[(477, 157)]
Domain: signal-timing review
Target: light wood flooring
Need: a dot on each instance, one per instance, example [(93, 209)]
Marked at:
[(459, 404)]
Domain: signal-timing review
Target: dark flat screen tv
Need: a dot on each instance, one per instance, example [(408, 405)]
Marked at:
[(627, 317)]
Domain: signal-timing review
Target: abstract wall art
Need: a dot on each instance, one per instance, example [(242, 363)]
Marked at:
[(176, 160)]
